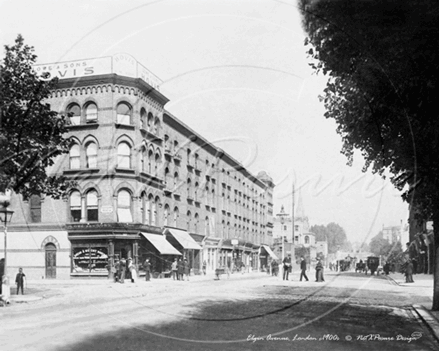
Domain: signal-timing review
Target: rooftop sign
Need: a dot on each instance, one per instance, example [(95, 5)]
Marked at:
[(120, 64)]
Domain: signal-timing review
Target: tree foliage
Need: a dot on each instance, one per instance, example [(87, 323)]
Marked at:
[(31, 135), (334, 234), (382, 247), (381, 59)]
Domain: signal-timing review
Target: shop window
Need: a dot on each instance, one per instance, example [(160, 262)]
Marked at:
[(87, 259), (35, 207), (91, 113), (92, 206), (74, 113), (91, 155), (75, 206), (74, 156), (123, 113), (124, 152), (124, 207)]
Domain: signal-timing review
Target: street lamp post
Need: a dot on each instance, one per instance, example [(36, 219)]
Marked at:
[(5, 217)]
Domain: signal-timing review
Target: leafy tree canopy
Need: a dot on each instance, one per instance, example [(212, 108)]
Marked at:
[(31, 135), (382, 247), (381, 58), (334, 234)]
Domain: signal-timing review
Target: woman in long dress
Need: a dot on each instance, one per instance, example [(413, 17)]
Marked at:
[(319, 272)]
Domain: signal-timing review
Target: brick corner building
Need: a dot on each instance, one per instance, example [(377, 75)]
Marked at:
[(148, 186)]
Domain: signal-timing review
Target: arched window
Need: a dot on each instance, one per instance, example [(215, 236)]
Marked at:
[(149, 209), (207, 231), (176, 179), (92, 206), (74, 155), (91, 155), (91, 113), (157, 126), (188, 219), (124, 152), (156, 205), (196, 221), (306, 240), (175, 216), (157, 161), (75, 206), (124, 207), (74, 113), (123, 113), (188, 187), (143, 118), (150, 160), (144, 159), (166, 215), (150, 122)]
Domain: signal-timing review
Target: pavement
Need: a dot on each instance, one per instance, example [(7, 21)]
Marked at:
[(423, 285)]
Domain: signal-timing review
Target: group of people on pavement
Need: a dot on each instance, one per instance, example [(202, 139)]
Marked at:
[(287, 268), (180, 268), (125, 268)]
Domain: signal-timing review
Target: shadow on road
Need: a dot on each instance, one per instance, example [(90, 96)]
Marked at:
[(276, 323)]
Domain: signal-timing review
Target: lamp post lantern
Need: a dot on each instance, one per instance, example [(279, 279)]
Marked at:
[(5, 218)]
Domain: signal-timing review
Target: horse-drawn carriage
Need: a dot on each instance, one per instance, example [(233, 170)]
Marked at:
[(361, 267), (372, 264)]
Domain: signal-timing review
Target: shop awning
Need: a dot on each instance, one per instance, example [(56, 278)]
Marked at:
[(161, 244), (270, 252), (184, 239)]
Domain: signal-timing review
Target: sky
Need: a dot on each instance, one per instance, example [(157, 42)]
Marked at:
[(237, 73)]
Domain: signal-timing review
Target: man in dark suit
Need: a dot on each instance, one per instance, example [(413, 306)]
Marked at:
[(287, 262), (303, 270)]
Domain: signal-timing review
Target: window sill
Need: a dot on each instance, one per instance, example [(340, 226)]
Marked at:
[(81, 171), (84, 126), (124, 126)]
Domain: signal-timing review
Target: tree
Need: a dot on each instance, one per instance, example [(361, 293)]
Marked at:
[(334, 234), (381, 58), (382, 247), (31, 135)]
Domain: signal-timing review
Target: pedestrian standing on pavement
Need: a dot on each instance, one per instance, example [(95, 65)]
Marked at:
[(186, 268), (147, 268), (116, 270), (20, 280), (133, 271), (319, 271), (204, 267), (174, 269), (180, 269), (122, 267), (409, 272), (303, 270), (287, 262)]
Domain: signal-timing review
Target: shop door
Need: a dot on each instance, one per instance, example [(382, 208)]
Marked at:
[(51, 261)]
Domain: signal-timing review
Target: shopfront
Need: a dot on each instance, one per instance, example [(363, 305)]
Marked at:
[(210, 253), (160, 252), (186, 245), (96, 246)]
